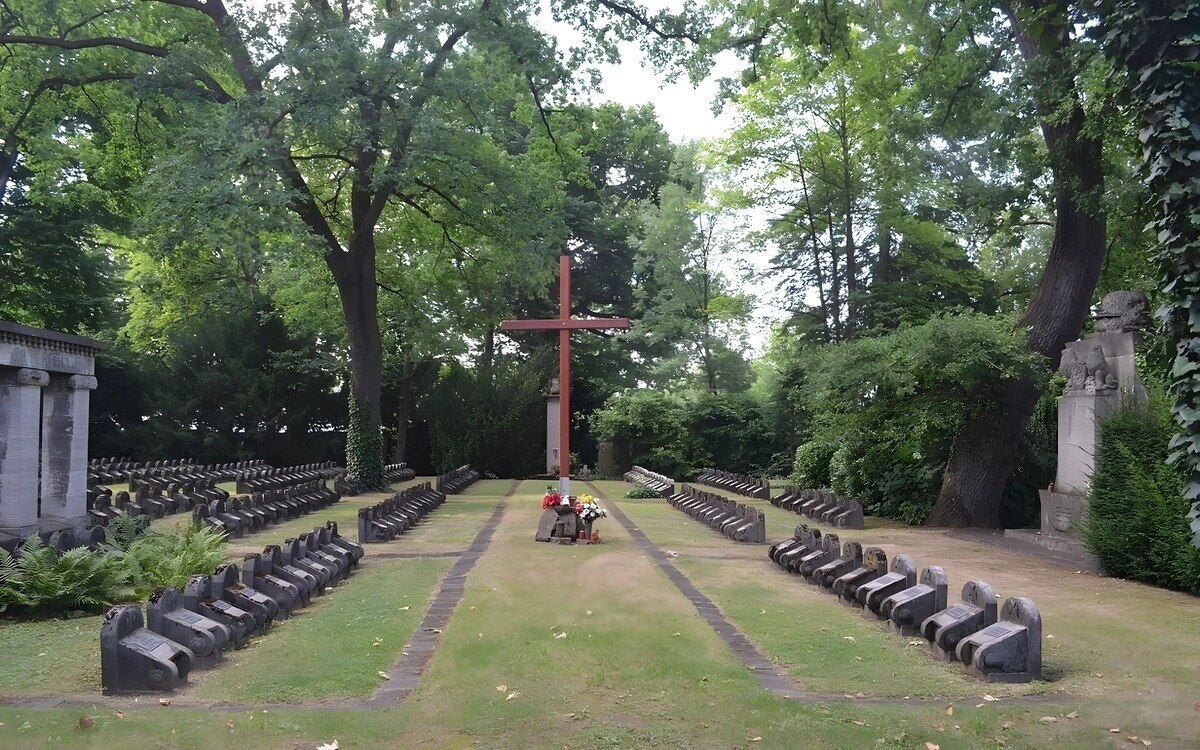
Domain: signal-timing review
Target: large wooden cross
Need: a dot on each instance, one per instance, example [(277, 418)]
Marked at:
[(564, 324)]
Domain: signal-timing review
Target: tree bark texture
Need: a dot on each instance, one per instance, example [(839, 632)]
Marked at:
[(984, 451)]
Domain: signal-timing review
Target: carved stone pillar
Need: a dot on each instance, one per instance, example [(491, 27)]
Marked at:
[(65, 405), (20, 422)]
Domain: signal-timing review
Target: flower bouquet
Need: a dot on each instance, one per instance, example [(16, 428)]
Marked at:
[(588, 511), (551, 499)]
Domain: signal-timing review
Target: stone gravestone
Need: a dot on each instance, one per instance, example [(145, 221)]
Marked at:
[(1101, 377), (45, 383), (606, 459)]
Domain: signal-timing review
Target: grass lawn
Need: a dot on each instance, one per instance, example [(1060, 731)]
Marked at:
[(593, 648)]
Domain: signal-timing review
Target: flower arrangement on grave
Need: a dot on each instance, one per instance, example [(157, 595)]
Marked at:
[(588, 510), (551, 498)]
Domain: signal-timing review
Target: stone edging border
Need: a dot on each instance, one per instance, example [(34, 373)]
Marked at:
[(765, 671), (405, 674)]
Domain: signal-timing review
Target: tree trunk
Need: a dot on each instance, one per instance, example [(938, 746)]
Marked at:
[(354, 273), (985, 450)]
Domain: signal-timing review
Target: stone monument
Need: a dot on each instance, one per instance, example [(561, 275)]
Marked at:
[(552, 432), (45, 384), (1101, 378)]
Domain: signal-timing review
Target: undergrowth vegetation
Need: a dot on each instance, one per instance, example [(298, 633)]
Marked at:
[(1137, 513), (40, 581)]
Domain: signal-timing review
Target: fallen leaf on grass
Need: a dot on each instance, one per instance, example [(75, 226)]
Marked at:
[(1196, 705), (559, 635), (859, 723), (1101, 676), (383, 675), (405, 608), (989, 698), (589, 611), (328, 746), (675, 635), (763, 612), (1006, 725), (512, 695), (164, 701), (502, 688), (849, 638), (86, 722), (756, 739), (950, 710), (230, 724), (1114, 730), (1048, 720), (1073, 715), (931, 746), (118, 714)]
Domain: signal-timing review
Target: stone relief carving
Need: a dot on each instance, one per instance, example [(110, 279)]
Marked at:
[(1091, 373), (1123, 312)]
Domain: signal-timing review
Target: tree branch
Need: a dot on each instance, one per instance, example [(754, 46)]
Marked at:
[(102, 41), (647, 23)]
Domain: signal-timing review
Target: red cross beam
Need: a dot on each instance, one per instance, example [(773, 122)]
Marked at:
[(564, 324)]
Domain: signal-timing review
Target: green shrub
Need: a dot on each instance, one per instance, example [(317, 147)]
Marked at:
[(885, 409), (124, 529), (1137, 515), (813, 458), (642, 493), (678, 434), (39, 580), (170, 559)]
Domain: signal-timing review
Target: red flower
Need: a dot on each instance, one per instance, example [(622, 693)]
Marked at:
[(550, 500)]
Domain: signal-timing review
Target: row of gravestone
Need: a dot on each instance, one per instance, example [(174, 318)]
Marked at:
[(393, 473), (660, 483), (738, 521), (1008, 649), (103, 505), (122, 470), (61, 541), (218, 612), (456, 481), (258, 480), (743, 484), (384, 521), (237, 516), (821, 505), (205, 501)]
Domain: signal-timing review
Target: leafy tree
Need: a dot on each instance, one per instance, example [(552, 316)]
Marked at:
[(686, 305), (884, 409), (330, 125)]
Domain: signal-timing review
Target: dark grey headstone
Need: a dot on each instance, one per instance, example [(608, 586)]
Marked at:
[(545, 527)]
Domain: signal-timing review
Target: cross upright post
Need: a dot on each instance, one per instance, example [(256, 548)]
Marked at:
[(564, 324)]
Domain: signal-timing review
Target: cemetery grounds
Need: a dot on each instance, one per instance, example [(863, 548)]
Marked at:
[(595, 647)]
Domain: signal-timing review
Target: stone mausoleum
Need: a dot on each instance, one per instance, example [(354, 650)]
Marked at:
[(46, 380)]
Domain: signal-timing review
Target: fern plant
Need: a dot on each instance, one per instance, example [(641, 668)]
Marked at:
[(11, 594), (40, 580), (170, 559)]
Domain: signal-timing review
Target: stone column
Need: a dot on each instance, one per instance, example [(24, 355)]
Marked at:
[(20, 422), (552, 433), (64, 452)]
